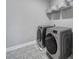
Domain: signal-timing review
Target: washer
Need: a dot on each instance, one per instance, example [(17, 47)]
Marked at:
[(59, 42)]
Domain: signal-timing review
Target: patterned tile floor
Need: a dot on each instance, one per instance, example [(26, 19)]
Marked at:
[(30, 52), (27, 53)]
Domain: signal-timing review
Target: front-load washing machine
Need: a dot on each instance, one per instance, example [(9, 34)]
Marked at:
[(41, 34), (59, 42)]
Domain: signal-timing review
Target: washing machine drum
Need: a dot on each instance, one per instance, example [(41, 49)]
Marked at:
[(51, 44)]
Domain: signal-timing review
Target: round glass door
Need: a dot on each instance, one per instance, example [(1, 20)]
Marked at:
[(51, 44)]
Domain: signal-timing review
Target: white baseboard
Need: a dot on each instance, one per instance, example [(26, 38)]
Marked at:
[(20, 46)]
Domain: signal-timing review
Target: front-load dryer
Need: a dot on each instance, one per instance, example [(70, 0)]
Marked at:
[(59, 42)]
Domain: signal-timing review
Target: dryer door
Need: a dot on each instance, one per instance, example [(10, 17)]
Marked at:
[(51, 44)]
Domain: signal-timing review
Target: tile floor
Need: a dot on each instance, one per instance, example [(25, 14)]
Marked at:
[(26, 53), (30, 52)]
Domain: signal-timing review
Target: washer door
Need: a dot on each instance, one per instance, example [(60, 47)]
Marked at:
[(51, 44), (39, 37)]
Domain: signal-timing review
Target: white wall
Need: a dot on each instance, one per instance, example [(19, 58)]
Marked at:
[(23, 16)]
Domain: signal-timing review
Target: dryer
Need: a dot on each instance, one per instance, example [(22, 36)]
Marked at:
[(59, 42)]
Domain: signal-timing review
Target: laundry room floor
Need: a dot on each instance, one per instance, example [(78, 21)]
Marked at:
[(29, 52)]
